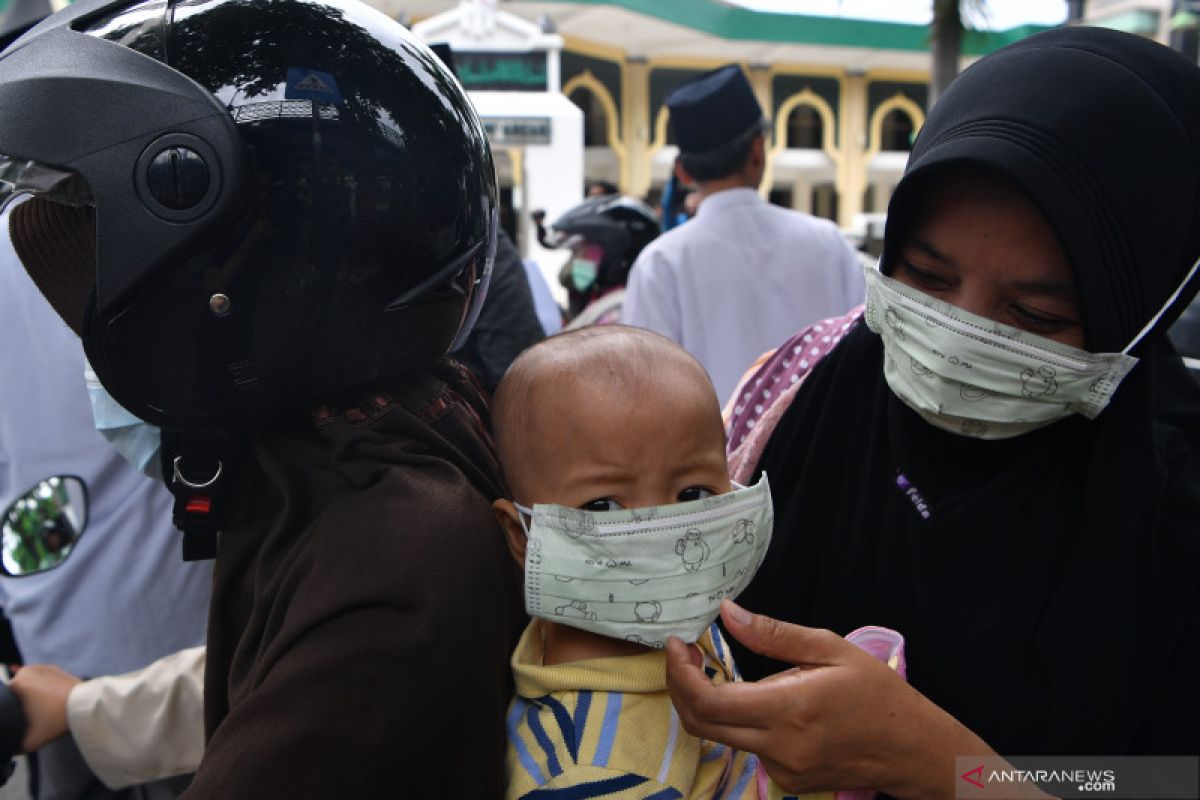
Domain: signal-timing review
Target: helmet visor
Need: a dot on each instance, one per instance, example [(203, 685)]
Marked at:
[(20, 176)]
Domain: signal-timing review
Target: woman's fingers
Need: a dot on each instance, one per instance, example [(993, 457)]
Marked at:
[(792, 644), (754, 717), (840, 718), (737, 714)]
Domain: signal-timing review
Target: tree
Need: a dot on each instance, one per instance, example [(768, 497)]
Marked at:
[(945, 40)]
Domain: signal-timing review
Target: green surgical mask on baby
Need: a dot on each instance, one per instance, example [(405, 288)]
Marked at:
[(970, 375), (644, 574)]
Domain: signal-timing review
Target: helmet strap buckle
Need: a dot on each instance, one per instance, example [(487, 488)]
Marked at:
[(198, 466)]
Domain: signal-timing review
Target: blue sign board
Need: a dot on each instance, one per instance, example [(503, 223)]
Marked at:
[(310, 84)]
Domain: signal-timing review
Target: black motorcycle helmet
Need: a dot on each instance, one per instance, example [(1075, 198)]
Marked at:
[(290, 198), (619, 224)]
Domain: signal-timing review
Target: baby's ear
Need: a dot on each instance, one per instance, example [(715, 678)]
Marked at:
[(514, 533)]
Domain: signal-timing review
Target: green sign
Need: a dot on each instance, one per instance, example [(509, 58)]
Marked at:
[(522, 72)]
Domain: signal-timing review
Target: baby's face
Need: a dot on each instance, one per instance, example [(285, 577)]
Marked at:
[(603, 449)]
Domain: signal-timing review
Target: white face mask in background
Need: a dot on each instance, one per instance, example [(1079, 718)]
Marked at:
[(138, 441), (645, 574), (970, 375)]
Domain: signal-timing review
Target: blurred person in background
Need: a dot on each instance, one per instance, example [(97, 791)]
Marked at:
[(679, 201), (743, 275), (600, 189), (604, 233), (549, 312), (124, 597)]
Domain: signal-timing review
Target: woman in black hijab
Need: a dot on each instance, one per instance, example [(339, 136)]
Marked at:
[(1037, 541)]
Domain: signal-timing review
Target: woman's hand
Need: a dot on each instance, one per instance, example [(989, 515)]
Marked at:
[(840, 719), (42, 690)]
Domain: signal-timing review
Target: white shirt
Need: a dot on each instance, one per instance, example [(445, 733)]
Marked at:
[(124, 597), (142, 726), (544, 305), (739, 279)]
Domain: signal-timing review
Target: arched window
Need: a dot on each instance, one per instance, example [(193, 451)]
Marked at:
[(805, 129), (595, 120), (897, 131)]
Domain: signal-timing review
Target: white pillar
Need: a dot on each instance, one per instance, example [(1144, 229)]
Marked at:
[(553, 182)]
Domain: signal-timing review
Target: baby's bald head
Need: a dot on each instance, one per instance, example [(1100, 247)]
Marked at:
[(566, 387)]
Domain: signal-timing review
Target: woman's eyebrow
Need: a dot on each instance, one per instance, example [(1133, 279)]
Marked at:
[(1062, 289), (928, 249), (1056, 288)]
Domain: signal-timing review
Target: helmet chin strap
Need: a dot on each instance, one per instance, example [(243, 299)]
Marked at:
[(199, 468)]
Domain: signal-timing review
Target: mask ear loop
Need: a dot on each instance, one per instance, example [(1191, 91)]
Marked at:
[(522, 512), (1166, 307)]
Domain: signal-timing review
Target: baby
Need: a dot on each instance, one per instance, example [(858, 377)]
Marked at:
[(629, 530)]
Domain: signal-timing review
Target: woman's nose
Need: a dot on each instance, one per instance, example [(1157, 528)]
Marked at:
[(973, 298)]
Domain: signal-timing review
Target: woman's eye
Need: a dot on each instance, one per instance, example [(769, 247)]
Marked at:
[(694, 493), (1037, 322), (601, 504), (921, 277)]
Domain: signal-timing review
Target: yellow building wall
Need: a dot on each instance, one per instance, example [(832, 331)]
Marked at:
[(638, 133)]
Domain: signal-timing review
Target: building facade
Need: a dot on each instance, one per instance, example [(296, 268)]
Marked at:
[(845, 97), (1171, 22)]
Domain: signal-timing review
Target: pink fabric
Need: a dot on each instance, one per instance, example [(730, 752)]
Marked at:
[(765, 394), (745, 456), (764, 782), (884, 643), (786, 367)]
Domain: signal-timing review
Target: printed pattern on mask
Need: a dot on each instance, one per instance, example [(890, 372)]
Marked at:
[(649, 573), (977, 377)]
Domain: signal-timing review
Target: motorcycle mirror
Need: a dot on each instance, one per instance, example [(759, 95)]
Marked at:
[(41, 527)]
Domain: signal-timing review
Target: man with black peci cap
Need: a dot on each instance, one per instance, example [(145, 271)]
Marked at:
[(740, 277)]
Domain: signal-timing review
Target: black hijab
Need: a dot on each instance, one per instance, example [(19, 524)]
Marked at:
[(1047, 584)]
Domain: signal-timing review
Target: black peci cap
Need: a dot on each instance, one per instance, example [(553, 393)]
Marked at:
[(713, 110)]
